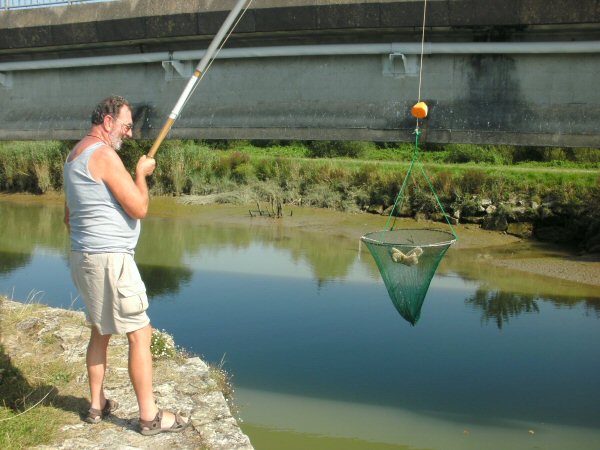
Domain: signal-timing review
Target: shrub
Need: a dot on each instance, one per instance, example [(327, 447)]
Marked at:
[(422, 200), (444, 184), (241, 173), (459, 153), (265, 169), (322, 196), (131, 151), (162, 345), (468, 206), (365, 176), (32, 166), (586, 155), (385, 191), (171, 172), (329, 149), (473, 181)]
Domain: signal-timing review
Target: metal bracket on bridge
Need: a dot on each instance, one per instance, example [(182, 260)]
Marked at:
[(6, 79), (177, 70), (399, 65)]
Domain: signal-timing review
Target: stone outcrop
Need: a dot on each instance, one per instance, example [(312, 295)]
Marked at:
[(546, 220), (180, 383)]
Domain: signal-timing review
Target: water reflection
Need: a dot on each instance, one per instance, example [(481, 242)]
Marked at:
[(162, 280), (499, 306), (10, 261), (25, 227), (168, 248), (326, 257)]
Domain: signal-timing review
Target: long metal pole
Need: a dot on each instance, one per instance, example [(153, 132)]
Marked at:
[(202, 65)]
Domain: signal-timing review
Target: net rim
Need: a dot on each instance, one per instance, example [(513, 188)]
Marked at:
[(365, 238)]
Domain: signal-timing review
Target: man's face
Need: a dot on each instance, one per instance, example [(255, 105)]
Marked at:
[(121, 128)]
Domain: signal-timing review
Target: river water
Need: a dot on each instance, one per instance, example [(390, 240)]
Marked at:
[(319, 356)]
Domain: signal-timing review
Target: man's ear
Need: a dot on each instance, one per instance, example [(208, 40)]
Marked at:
[(107, 123)]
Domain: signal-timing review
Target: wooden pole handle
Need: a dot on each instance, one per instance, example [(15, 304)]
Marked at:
[(161, 136)]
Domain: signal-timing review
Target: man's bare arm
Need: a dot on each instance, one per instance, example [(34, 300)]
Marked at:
[(131, 195)]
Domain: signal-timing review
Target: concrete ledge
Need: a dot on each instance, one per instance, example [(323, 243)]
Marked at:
[(148, 20)]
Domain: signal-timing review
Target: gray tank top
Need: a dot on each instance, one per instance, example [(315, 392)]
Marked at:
[(98, 222)]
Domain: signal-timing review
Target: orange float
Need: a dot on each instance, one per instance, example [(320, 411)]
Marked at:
[(419, 110)]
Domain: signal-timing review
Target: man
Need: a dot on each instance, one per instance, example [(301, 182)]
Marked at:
[(103, 209)]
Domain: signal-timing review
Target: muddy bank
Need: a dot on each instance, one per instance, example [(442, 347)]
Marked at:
[(577, 269), (494, 248), (527, 255)]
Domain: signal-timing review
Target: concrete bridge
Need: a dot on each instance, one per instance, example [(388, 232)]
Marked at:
[(512, 71)]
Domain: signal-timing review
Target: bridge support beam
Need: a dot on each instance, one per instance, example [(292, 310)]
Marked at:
[(494, 72)]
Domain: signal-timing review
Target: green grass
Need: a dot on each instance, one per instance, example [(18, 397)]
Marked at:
[(342, 175), (36, 427), (31, 413)]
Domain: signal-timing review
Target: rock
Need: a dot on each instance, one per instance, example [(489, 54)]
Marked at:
[(472, 219), (31, 325), (545, 213), (183, 384), (195, 364), (496, 222), (420, 216), (520, 229), (375, 209), (523, 214)]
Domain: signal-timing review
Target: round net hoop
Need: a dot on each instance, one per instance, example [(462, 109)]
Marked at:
[(410, 237)]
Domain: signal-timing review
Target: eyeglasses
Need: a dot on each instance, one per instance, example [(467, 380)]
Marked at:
[(127, 126)]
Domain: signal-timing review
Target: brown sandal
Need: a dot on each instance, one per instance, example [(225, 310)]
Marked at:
[(151, 427), (96, 415)]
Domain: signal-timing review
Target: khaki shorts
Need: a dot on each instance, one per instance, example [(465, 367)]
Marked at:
[(112, 290)]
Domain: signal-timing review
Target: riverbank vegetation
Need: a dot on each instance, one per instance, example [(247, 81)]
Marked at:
[(559, 186)]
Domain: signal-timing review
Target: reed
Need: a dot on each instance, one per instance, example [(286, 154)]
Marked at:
[(292, 172), (32, 166)]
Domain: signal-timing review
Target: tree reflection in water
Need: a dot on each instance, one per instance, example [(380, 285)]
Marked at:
[(500, 305), (592, 306), (164, 280), (10, 261)]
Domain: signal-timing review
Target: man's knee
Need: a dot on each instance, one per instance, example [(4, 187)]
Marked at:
[(141, 336), (98, 338)]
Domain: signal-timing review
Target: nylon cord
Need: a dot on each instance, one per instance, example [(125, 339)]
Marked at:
[(417, 133), (422, 49), (400, 198)]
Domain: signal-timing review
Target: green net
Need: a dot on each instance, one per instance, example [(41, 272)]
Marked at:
[(408, 258)]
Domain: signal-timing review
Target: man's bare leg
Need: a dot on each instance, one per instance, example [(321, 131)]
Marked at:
[(140, 373), (96, 366)]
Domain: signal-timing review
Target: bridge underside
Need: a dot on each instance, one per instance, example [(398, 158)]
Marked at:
[(520, 86)]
